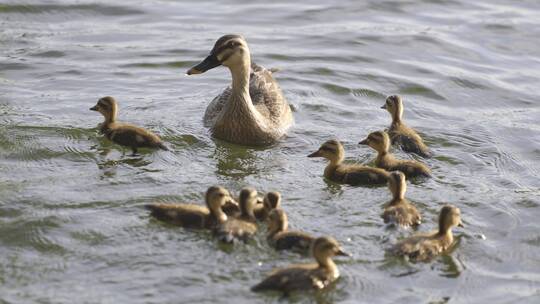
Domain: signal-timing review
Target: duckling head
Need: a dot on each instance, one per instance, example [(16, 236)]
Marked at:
[(108, 107), (397, 184), (216, 197), (272, 200), (324, 248), (277, 221), (331, 150), (394, 106), (230, 50), (378, 140), (449, 217), (248, 200)]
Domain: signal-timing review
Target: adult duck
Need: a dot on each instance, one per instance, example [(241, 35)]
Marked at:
[(253, 110)]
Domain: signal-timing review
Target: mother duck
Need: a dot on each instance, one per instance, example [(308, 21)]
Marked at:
[(253, 110)]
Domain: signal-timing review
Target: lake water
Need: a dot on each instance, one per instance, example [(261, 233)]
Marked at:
[(72, 226)]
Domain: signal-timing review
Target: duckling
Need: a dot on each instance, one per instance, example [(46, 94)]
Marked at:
[(380, 141), (271, 201), (353, 174), (242, 227), (281, 238), (424, 247), (306, 276), (122, 133), (399, 211), (400, 133), (194, 216), (253, 110)]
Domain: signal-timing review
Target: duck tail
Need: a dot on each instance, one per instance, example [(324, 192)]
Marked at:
[(274, 70)]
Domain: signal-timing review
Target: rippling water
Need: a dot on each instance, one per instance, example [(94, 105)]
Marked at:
[(72, 229)]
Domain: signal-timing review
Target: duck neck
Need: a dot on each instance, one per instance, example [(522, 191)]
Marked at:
[(282, 226), (218, 213), (248, 213), (444, 229), (397, 114), (327, 263), (240, 84)]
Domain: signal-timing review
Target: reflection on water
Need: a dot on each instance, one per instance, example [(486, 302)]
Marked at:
[(70, 201)]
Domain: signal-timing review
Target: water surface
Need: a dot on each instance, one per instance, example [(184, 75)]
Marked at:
[(72, 227)]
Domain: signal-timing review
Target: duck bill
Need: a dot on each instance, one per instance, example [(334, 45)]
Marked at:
[(208, 63), (461, 224), (341, 252), (94, 108), (363, 142), (383, 106), (315, 154)]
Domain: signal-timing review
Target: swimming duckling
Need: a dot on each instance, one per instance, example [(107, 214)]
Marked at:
[(306, 276), (282, 239), (424, 247), (253, 110), (399, 211), (400, 133), (353, 174), (243, 226), (271, 201), (122, 133), (380, 141), (194, 216)]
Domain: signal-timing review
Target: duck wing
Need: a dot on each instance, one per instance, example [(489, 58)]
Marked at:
[(300, 277), (133, 136), (361, 175), (235, 229), (185, 215), (293, 240), (266, 94)]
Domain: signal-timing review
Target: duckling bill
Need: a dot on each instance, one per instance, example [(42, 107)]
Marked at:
[(122, 133), (352, 174), (306, 277)]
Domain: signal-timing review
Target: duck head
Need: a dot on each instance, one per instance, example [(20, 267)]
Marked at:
[(108, 107), (272, 200), (277, 221), (397, 184), (230, 50), (215, 198), (331, 150), (449, 217), (378, 140), (394, 106), (324, 248), (248, 199)]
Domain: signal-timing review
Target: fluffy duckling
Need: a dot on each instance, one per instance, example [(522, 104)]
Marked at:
[(424, 247), (400, 133), (243, 226), (380, 141), (399, 211), (353, 174), (253, 110), (282, 239), (121, 133), (194, 216), (306, 276), (271, 201)]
